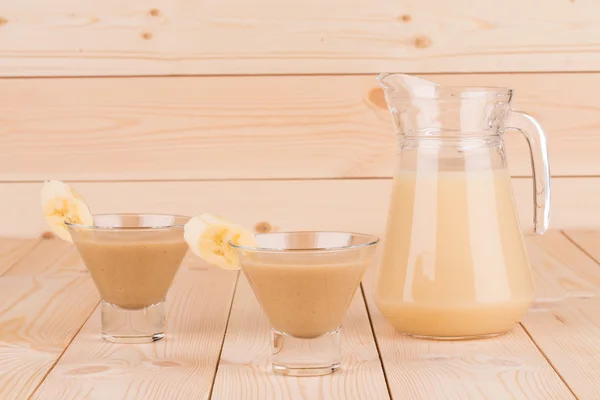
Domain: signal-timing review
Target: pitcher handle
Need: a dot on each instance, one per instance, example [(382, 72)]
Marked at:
[(540, 167)]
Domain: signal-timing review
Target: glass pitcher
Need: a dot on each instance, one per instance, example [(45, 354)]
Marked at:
[(454, 263)]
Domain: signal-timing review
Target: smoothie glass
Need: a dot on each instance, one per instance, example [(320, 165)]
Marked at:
[(305, 282), (132, 259)]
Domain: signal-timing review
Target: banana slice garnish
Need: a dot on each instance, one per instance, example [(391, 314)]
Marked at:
[(208, 237), (62, 204)]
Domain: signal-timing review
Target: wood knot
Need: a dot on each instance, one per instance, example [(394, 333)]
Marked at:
[(560, 318), (88, 369), (405, 18), (146, 35), (422, 42), (166, 363), (3, 21), (377, 98), (154, 12), (263, 227), (47, 235)]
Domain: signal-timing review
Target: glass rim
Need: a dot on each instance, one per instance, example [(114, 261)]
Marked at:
[(373, 240), (129, 228), (474, 91)]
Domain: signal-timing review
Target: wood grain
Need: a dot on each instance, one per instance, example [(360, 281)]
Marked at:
[(565, 320), (181, 366), (47, 295), (506, 367), (44, 300), (351, 205), (255, 127), (587, 240), (70, 37), (12, 250), (245, 368)]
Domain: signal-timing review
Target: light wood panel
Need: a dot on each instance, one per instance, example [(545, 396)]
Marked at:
[(354, 205), (245, 368), (13, 250), (181, 366), (71, 37), (587, 240), (506, 367), (47, 295), (565, 321), (44, 300), (255, 127)]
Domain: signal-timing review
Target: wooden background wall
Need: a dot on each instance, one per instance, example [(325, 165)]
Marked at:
[(270, 114)]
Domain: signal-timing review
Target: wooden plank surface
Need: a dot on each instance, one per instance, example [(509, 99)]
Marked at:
[(352, 205), (255, 127), (565, 322), (13, 250), (181, 366), (71, 37), (587, 240), (44, 299), (47, 295), (507, 367), (245, 368)]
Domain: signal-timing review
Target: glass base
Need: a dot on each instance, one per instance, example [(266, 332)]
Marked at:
[(122, 325), (294, 356)]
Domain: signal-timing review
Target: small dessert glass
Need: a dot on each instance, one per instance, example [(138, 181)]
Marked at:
[(305, 282), (132, 259)]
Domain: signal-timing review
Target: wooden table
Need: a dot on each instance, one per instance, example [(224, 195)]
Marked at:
[(217, 341)]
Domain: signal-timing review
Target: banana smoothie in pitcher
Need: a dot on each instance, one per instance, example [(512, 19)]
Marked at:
[(454, 264)]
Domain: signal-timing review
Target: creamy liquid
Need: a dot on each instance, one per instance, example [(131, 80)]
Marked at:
[(302, 299), (132, 274), (454, 263)]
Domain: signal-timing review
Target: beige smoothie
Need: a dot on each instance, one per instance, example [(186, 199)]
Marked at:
[(304, 299), (135, 273), (453, 263)]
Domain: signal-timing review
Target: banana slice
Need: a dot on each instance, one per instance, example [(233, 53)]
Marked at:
[(62, 204), (209, 236)]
